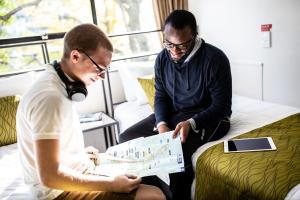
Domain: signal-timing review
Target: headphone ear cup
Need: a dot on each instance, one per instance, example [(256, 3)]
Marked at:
[(77, 91)]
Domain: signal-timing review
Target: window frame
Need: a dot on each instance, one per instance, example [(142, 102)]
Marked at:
[(43, 41)]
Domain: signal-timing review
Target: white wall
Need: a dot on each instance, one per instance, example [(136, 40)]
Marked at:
[(234, 26)]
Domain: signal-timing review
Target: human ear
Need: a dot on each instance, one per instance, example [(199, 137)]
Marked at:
[(74, 56)]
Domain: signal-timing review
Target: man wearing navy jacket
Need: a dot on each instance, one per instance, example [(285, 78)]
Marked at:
[(193, 91)]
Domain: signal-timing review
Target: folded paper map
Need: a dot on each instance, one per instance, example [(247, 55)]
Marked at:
[(145, 156), (90, 117)]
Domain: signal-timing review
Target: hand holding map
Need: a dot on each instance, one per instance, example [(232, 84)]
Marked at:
[(155, 155)]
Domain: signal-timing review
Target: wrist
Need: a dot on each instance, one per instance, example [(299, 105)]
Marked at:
[(160, 124), (111, 184), (161, 128)]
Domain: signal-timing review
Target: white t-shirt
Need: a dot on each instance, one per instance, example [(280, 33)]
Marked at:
[(45, 112)]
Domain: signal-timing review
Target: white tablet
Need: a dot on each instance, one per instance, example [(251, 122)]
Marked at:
[(249, 144)]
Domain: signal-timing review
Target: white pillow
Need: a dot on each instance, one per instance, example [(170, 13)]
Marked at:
[(128, 83), (129, 74), (16, 84), (94, 101)]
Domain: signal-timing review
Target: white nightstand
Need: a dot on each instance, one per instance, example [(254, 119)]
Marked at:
[(109, 126)]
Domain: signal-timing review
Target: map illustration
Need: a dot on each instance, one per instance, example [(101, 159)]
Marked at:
[(155, 155)]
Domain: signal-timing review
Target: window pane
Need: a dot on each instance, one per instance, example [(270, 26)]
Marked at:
[(21, 58), (121, 16), (147, 61), (55, 49), (45, 16), (136, 44)]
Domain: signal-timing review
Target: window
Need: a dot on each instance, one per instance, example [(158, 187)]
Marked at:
[(31, 32), (21, 58), (119, 16), (37, 17)]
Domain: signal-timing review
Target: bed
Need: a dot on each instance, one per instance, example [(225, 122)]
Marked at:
[(248, 114), (12, 185), (251, 117), (220, 176), (129, 113)]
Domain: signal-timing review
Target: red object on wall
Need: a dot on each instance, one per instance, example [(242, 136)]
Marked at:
[(265, 27)]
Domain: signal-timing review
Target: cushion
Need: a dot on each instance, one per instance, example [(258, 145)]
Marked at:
[(127, 83), (8, 110), (94, 101), (128, 74), (16, 84), (147, 83)]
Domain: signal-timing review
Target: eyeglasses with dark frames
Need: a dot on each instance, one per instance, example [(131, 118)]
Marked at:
[(182, 47), (98, 67)]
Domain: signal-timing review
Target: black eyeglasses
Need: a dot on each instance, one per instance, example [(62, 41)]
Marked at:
[(182, 47), (98, 67)]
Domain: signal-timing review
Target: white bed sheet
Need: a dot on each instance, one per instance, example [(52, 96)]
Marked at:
[(129, 113), (12, 185), (249, 114)]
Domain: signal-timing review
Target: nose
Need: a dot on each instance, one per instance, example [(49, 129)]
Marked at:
[(176, 51), (99, 70), (101, 75)]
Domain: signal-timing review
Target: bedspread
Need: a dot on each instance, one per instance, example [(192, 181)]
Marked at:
[(253, 175)]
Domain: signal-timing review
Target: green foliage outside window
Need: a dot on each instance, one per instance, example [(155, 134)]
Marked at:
[(24, 18)]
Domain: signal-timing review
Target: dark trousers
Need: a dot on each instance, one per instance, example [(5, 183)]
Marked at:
[(180, 183)]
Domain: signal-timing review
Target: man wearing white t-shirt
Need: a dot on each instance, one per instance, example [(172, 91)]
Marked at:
[(50, 139)]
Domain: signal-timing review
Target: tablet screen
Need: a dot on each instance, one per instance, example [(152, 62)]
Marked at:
[(249, 144)]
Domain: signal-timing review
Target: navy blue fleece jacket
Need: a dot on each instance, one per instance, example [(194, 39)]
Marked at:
[(201, 86)]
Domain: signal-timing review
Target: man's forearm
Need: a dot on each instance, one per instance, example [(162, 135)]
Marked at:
[(70, 180)]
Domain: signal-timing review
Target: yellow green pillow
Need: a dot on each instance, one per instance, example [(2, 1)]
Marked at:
[(147, 83), (8, 110)]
